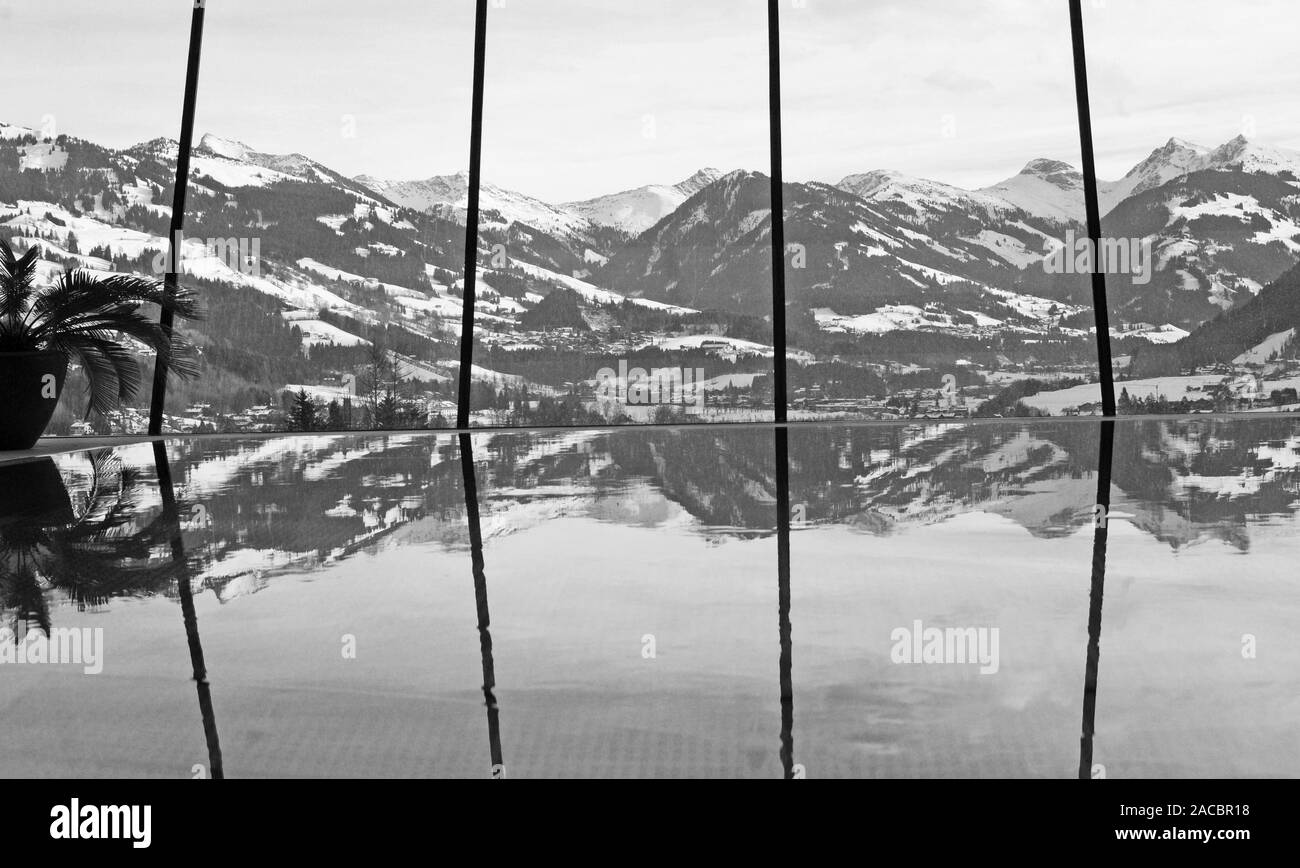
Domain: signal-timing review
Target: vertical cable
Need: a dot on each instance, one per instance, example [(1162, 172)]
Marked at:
[(471, 218), (1101, 312), (481, 604), (186, 595), (779, 396), (167, 320), (1101, 534), (783, 599)]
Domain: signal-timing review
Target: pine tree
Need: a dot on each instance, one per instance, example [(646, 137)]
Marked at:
[(386, 412), (335, 417), (1125, 404), (305, 415)]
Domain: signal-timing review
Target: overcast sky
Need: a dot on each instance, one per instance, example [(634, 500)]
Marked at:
[(979, 88), (585, 97)]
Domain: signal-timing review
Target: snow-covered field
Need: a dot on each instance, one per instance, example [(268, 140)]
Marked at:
[(1172, 388), (317, 333)]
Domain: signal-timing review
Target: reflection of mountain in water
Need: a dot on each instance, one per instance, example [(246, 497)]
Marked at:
[(1181, 481), (1187, 481), (252, 509)]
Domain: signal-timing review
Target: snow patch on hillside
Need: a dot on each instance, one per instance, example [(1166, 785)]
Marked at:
[(1262, 351)]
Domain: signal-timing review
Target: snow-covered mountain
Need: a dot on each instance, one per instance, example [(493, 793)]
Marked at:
[(634, 211), (450, 193), (923, 197), (629, 211), (1045, 188), (1244, 155), (880, 255), (294, 165), (891, 253), (235, 164), (1174, 159), (1053, 190), (1178, 158), (1222, 223)]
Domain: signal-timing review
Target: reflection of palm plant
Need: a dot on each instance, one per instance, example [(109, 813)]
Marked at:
[(86, 316), (98, 555)]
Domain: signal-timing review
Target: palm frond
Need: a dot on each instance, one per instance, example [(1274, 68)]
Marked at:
[(86, 315), (78, 299), (17, 285), (112, 373)]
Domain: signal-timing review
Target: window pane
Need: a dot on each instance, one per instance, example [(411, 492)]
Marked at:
[(335, 307), (1199, 580), (92, 106), (651, 650), (1198, 152), (930, 170), (891, 546), (624, 246)]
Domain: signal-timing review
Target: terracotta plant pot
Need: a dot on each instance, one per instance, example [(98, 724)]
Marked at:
[(30, 385)]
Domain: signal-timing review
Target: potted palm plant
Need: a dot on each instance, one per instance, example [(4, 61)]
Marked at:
[(99, 321)]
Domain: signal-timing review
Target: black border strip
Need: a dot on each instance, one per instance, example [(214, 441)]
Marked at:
[(471, 218), (779, 396), (159, 398), (1101, 311)]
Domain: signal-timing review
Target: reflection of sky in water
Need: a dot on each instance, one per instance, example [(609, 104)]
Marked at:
[(596, 541)]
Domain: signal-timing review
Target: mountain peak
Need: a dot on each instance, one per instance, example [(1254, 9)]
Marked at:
[(697, 182), (740, 174), (1177, 144), (1043, 166), (160, 145), (634, 211), (866, 183), (1242, 154), (1045, 188), (1232, 149), (228, 148)]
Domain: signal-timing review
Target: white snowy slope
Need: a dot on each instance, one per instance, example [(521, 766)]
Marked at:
[(453, 191), (1177, 158), (635, 211), (219, 157), (1241, 153), (11, 131), (1044, 188), (1053, 190), (594, 294), (1172, 160), (1266, 349), (927, 198)]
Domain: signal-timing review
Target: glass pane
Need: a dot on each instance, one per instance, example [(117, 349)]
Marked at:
[(931, 169), (337, 309), (1198, 152), (1200, 580), (650, 652), (91, 110), (624, 246), (892, 530)]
